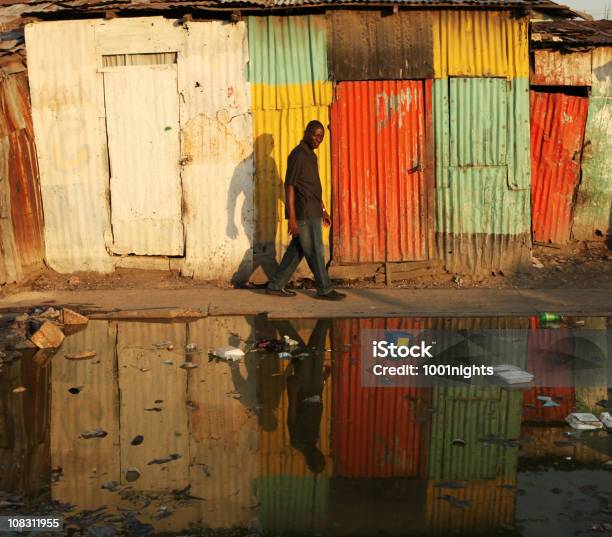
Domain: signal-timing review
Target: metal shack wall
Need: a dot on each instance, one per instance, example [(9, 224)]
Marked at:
[(593, 210), (482, 219), (21, 220), (554, 68), (289, 82), (216, 138), (557, 133)]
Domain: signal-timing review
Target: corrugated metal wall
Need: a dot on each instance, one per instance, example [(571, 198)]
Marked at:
[(554, 68), (216, 138), (593, 213), (382, 171), (482, 188), (557, 134), (21, 219), (289, 81)]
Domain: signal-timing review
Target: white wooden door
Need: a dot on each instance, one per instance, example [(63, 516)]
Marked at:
[(142, 121)]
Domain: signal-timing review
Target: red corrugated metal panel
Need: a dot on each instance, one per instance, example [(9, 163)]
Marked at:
[(382, 171), (557, 132), (540, 363), (376, 432)]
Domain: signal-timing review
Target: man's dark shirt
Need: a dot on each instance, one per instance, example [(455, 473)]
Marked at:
[(303, 175)]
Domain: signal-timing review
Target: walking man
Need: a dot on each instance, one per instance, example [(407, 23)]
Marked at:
[(305, 211)]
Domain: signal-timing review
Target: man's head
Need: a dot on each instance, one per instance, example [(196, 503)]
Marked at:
[(314, 133)]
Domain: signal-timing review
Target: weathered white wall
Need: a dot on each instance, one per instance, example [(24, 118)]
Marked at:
[(65, 63)]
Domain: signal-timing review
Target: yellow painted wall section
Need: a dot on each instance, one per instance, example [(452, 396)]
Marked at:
[(480, 43), (283, 96), (276, 133)]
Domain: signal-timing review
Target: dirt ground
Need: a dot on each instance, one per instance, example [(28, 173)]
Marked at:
[(577, 265)]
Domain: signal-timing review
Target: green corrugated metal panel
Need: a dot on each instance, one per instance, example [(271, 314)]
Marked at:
[(288, 62), (292, 503), (471, 414), (483, 173), (593, 212)]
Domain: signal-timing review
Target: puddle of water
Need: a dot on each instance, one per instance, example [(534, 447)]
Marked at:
[(273, 446)]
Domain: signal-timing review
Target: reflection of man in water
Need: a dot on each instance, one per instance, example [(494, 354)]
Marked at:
[(304, 390)]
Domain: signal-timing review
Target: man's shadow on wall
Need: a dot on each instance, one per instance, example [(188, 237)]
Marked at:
[(268, 190)]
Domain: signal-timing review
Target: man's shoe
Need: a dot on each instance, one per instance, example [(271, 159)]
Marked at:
[(332, 295), (281, 292)]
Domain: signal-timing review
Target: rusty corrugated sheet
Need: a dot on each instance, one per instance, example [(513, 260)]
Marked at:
[(376, 432), (571, 34), (553, 68), (367, 45), (21, 239), (557, 133), (593, 213), (383, 171), (482, 187), (491, 509), (480, 43)]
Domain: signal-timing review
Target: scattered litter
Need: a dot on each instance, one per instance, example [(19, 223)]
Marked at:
[(74, 281), (188, 365), (168, 362), (162, 512), (158, 401), (609, 463), (302, 355), (191, 347), (169, 458), (275, 345), (455, 502), (584, 421), (547, 317), (170, 347), (544, 398), (22, 318), (601, 527), (568, 458), (96, 433), (291, 343), (137, 440), (83, 355), (512, 374), (111, 485), (20, 389), (313, 399), (551, 403), (449, 485), (229, 353), (284, 355), (75, 390), (70, 317), (578, 323), (132, 474), (604, 403), (536, 263), (145, 369), (458, 442), (50, 313), (606, 419), (48, 336)]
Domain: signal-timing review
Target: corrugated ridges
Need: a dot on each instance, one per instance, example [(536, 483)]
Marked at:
[(557, 133)]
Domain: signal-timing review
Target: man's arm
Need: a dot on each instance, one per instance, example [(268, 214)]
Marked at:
[(293, 225), (294, 169)]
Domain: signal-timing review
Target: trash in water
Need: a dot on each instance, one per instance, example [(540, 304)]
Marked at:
[(584, 421), (111, 485), (20, 389), (277, 345), (188, 365), (71, 317), (284, 355), (96, 433), (606, 419), (544, 398), (158, 401), (511, 374), (162, 512), (75, 390), (164, 460), (168, 362), (229, 353), (551, 403), (536, 263), (191, 347), (50, 313), (83, 355), (458, 442), (291, 343), (547, 317), (137, 440), (145, 369), (132, 474), (313, 399), (48, 336)]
